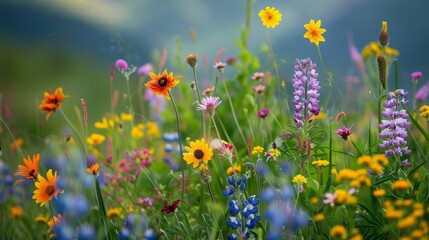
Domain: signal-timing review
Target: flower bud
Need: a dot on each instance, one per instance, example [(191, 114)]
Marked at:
[(383, 38), (382, 70)]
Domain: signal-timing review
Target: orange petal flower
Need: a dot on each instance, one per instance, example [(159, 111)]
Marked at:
[(52, 101), (30, 170), (93, 170), (46, 188), (54, 222), (162, 83)]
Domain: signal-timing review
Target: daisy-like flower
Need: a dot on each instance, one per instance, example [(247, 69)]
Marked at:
[(208, 91), (270, 17), (257, 76), (219, 66), (258, 89), (161, 84), (46, 188), (93, 170), (95, 139), (230, 171), (52, 101), (314, 32), (114, 212), (209, 104), (197, 152), (30, 170)]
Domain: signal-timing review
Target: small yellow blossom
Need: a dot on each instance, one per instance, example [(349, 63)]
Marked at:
[(314, 200), (126, 117), (320, 116), (380, 159), (339, 231), (230, 171), (314, 32), (104, 124), (406, 222), (114, 212), (320, 163), (95, 139), (299, 179), (274, 152), (401, 185), (319, 217), (365, 160), (346, 174), (270, 17), (42, 219), (379, 193), (257, 150), (152, 129), (424, 112), (16, 144), (137, 131), (373, 49), (16, 212)]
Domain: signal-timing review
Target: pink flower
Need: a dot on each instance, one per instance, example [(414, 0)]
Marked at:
[(258, 89), (121, 64), (330, 199), (263, 113), (145, 69), (416, 75), (209, 104), (219, 66), (356, 57), (422, 93), (257, 76), (344, 133)]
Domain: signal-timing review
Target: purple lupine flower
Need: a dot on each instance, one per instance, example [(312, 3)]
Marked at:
[(394, 126), (422, 93), (305, 96)]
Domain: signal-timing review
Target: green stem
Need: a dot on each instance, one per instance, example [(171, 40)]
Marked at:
[(199, 101), (331, 81), (210, 192), (131, 107), (73, 128), (13, 138), (182, 163), (52, 213)]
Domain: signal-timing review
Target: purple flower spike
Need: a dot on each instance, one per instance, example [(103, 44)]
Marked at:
[(121, 64), (306, 93), (394, 126)]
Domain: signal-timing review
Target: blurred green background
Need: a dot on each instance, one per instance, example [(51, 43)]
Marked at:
[(46, 44)]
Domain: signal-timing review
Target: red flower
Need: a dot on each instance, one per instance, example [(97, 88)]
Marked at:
[(170, 208)]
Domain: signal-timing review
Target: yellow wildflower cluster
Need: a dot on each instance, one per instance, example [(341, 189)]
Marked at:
[(424, 112), (343, 197), (230, 171), (357, 177), (320, 163), (401, 184), (150, 129), (299, 179), (373, 49), (375, 163), (257, 150), (339, 231)]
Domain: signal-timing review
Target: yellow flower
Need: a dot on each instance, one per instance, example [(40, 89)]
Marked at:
[(270, 17), (379, 193), (314, 200), (197, 152), (274, 152), (46, 188), (230, 171), (257, 150), (346, 174), (380, 159), (320, 163), (314, 32), (407, 222), (56, 221), (42, 219), (16, 144), (137, 131), (104, 124), (319, 217), (95, 139), (364, 160), (16, 212), (339, 231), (424, 112), (126, 117), (152, 129), (401, 185), (373, 49), (114, 212), (299, 179)]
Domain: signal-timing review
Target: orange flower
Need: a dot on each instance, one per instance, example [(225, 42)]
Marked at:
[(93, 169), (30, 170), (52, 101), (57, 220), (162, 83), (46, 188)]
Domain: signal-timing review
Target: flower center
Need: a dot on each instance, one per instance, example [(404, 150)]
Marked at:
[(32, 173), (50, 190), (198, 154), (162, 82)]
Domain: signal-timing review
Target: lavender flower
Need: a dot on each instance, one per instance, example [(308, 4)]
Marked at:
[(121, 64), (344, 132), (209, 104), (416, 75), (145, 69), (394, 127), (306, 93), (263, 113)]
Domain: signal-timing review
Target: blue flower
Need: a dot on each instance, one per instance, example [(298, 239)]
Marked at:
[(86, 232), (229, 191), (233, 207), (233, 223), (252, 220)]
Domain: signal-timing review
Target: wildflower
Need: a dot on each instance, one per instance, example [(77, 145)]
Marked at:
[(52, 101), (126, 117), (170, 208), (321, 115), (121, 64), (197, 152), (257, 76), (373, 50), (16, 144), (407, 222), (257, 150), (406, 163), (42, 219), (16, 212), (380, 159), (208, 91), (46, 188), (137, 131), (152, 129), (416, 75), (422, 93), (95, 139), (114, 212), (258, 89), (393, 130), (30, 170), (192, 60), (424, 112), (319, 217), (272, 153), (383, 38), (104, 124), (379, 192), (320, 163), (344, 133), (382, 70), (209, 104), (356, 57), (145, 201), (401, 184), (161, 84), (55, 221), (263, 113), (219, 66), (306, 91), (299, 179), (270, 17), (339, 231), (314, 32), (365, 160), (340, 115), (93, 170), (145, 69), (230, 171)]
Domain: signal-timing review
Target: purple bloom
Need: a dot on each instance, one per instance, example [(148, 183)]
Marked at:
[(263, 113), (394, 126), (422, 93), (258, 89), (219, 66), (209, 104), (145, 69), (257, 76), (344, 132), (305, 96), (121, 64), (405, 163), (416, 75)]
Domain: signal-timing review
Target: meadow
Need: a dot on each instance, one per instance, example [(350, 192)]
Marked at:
[(234, 150)]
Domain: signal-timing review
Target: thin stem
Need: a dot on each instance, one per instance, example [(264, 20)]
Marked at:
[(72, 127), (210, 192), (52, 213), (182, 163), (13, 138), (331, 81), (199, 101), (131, 107)]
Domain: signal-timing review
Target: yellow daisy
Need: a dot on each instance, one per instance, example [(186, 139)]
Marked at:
[(270, 17), (197, 152), (314, 32)]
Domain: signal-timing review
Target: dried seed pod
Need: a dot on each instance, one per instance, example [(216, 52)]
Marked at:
[(382, 70)]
